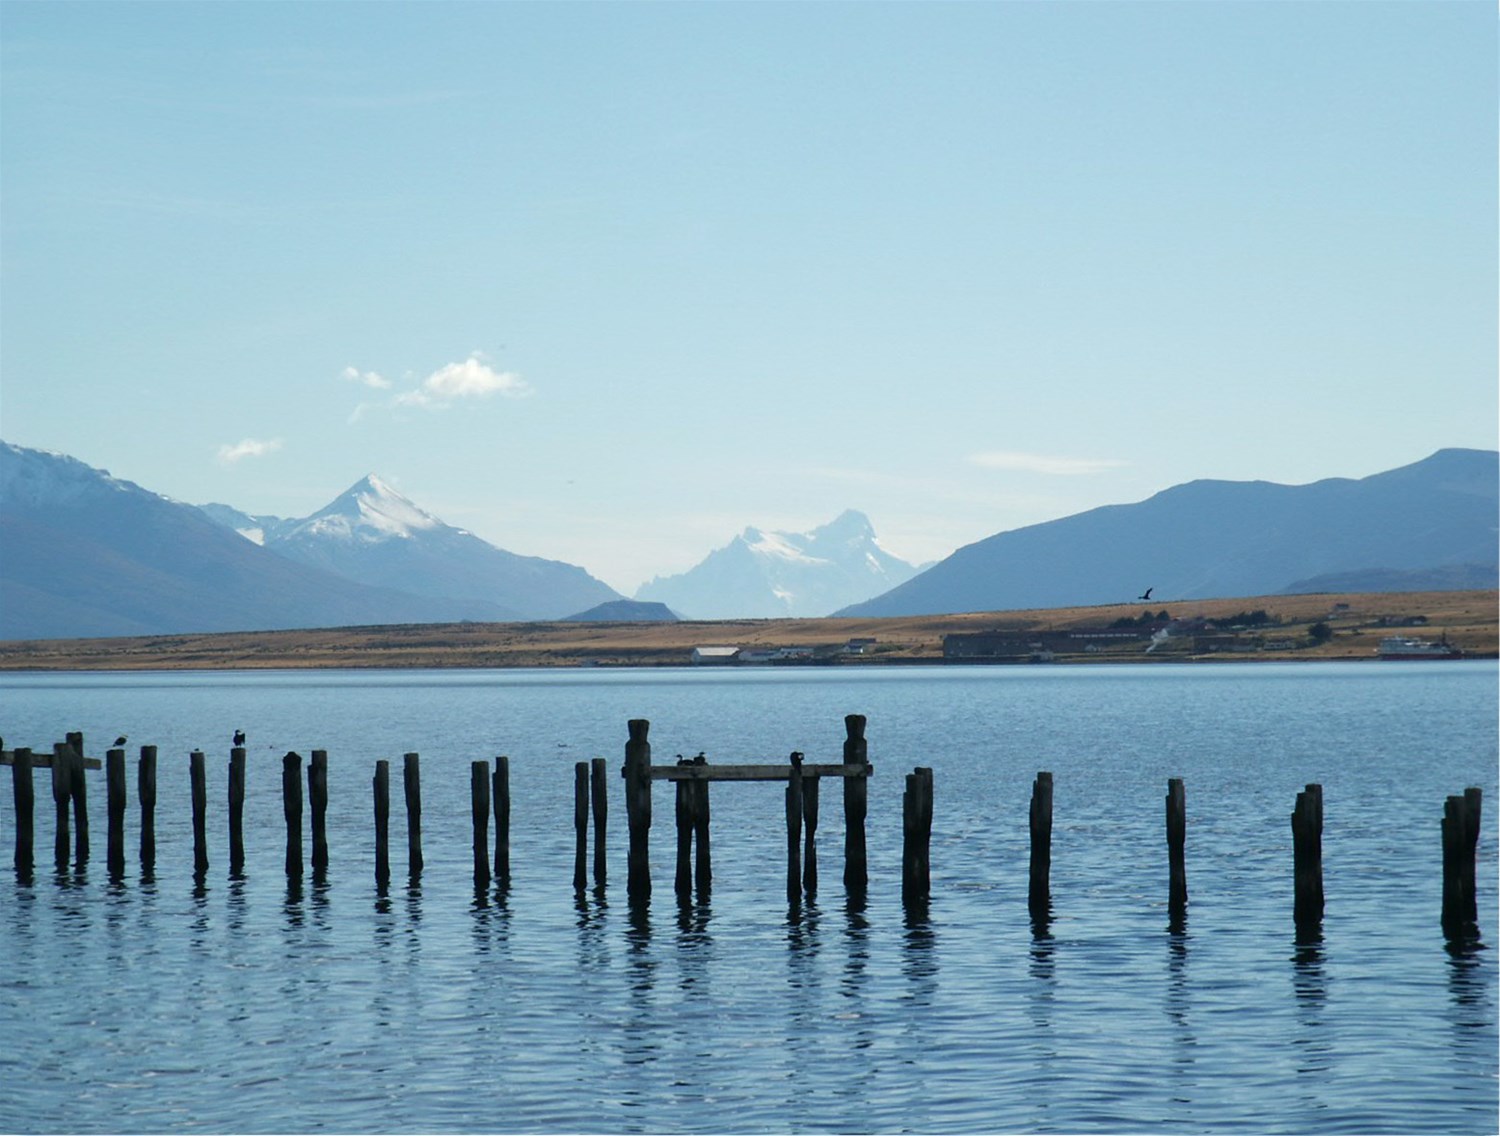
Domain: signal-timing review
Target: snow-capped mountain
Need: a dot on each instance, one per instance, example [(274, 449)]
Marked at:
[(768, 575), (256, 529), (373, 534), (86, 554)]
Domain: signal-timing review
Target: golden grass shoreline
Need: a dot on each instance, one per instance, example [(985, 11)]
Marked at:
[(1466, 619)]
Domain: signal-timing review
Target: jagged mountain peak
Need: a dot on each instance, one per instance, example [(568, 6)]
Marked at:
[(369, 510)]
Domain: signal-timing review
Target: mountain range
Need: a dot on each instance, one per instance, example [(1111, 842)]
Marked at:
[(778, 575), (1431, 524), (85, 554)]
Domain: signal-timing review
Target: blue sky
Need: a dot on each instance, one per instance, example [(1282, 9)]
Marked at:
[(608, 283)]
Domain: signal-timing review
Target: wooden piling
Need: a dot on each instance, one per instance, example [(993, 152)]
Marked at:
[(236, 812), (146, 794), (80, 794), (114, 784), (1039, 891), (637, 774), (856, 806), (291, 802), (25, 795), (1307, 859), (682, 879), (916, 836), (479, 801), (810, 833), (599, 796), (62, 799), (317, 799), (411, 773), (794, 834), (381, 786), (1461, 817), (502, 821), (198, 780), (580, 825), (703, 868), (1177, 895)]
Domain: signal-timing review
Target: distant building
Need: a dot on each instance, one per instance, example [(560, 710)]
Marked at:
[(711, 656)]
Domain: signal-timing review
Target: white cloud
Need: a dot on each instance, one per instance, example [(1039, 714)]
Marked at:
[(1042, 463), (248, 448), (473, 378), (366, 378)]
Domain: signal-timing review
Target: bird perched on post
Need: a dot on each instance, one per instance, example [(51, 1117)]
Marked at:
[(239, 737), (797, 759), (119, 741)]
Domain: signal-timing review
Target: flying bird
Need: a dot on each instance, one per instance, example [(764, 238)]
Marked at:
[(1147, 594)]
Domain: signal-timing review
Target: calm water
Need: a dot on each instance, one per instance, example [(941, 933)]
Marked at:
[(248, 1006)]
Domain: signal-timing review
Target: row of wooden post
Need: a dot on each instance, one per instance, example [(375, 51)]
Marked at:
[(490, 795)]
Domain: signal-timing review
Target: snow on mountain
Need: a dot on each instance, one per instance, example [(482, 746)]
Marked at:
[(769, 575), (257, 529), (373, 534)]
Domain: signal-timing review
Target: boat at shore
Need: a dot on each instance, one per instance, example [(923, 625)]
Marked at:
[(1406, 647)]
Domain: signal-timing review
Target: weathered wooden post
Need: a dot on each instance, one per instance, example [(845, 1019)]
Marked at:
[(704, 873), (1461, 817), (198, 780), (382, 790), (114, 784), (1177, 895), (916, 836), (25, 793), (637, 774), (580, 825), (810, 828), (682, 880), (794, 831), (479, 801), (1307, 859), (856, 806), (412, 778), (317, 799), (146, 793), (1039, 892), (599, 794), (62, 796), (236, 812), (291, 804), (502, 821), (80, 792)]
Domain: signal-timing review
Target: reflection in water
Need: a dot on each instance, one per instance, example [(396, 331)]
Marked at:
[(1313, 1043), (1185, 1041)]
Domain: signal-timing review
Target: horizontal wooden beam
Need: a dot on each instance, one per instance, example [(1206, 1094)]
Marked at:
[(44, 760), (754, 772)]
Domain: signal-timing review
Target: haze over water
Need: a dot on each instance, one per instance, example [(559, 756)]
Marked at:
[(247, 1005)]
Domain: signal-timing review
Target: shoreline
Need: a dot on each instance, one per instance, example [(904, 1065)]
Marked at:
[(1356, 622)]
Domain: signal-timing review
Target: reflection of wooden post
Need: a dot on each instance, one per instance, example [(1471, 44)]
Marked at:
[(198, 780), (237, 811), (1176, 849), (638, 808), (382, 790), (599, 798), (1307, 859), (1461, 817), (580, 825), (479, 807), (317, 799), (25, 792), (411, 775), (856, 805), (502, 821), (291, 807), (810, 844), (794, 833), (114, 783), (1039, 894), (146, 792)]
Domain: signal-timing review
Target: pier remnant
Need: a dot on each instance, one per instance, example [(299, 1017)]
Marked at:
[(1039, 891), (1177, 895), (1307, 861), (1460, 828)]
